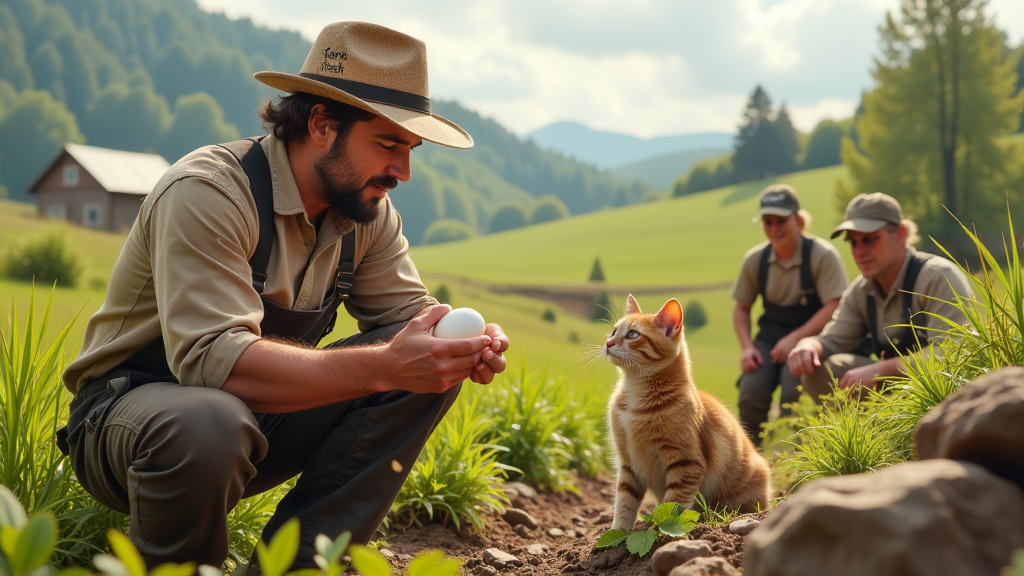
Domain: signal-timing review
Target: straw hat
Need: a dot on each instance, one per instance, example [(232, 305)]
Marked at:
[(374, 68)]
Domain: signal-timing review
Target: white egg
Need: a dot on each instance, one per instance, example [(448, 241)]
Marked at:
[(460, 323)]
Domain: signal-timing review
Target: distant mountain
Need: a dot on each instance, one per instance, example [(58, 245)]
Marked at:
[(662, 171), (612, 150)]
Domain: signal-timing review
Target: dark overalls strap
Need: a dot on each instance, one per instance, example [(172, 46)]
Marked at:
[(905, 341), (778, 321), (806, 274)]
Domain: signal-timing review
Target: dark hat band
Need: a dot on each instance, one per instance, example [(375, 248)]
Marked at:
[(375, 93)]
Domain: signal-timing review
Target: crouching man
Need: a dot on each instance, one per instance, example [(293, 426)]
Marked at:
[(897, 283), (199, 382)]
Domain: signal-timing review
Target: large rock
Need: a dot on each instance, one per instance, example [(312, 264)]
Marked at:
[(515, 517), (706, 567), (676, 553), (982, 422), (912, 519)]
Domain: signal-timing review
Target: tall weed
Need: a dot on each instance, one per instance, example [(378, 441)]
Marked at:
[(33, 405)]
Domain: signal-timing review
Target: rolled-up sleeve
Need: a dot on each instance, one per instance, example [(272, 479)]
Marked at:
[(386, 287), (199, 240), (747, 287)]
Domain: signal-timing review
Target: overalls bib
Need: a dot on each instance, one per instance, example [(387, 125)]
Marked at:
[(778, 321)]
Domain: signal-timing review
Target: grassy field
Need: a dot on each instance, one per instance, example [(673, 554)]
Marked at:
[(685, 241)]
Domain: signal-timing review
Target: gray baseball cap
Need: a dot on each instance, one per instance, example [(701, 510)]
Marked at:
[(869, 212), (778, 200)]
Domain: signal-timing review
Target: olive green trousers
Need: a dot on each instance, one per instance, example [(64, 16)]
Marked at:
[(178, 458)]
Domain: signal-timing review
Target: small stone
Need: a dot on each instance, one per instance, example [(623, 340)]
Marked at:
[(534, 560), (743, 526), (387, 554), (715, 566), (524, 489), (606, 517), (571, 534), (677, 553), (515, 517), (578, 520), (522, 531), (485, 571), (608, 559), (536, 549), (498, 559), (556, 532), (405, 557)]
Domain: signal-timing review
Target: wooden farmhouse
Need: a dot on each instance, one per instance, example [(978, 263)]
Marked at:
[(96, 187)]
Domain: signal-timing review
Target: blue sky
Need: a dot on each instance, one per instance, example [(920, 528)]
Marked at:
[(642, 67)]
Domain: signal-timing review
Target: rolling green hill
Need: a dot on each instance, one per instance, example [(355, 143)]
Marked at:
[(661, 171)]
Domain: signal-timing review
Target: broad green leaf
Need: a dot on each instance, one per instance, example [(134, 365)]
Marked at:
[(126, 553), (8, 540), (35, 544), (433, 563), (109, 565), (641, 541), (11, 511), (666, 512), (331, 551), (171, 569), (277, 558), (368, 561), (646, 517), (611, 538), (681, 525)]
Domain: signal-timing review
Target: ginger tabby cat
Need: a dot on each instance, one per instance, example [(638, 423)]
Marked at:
[(670, 437)]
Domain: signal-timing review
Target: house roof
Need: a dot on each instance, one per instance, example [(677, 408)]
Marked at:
[(120, 171)]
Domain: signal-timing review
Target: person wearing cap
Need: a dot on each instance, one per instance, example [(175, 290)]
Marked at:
[(869, 335), (800, 279), (199, 381)]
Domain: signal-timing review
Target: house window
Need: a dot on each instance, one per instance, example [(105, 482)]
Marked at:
[(57, 212), (92, 215), (70, 176)]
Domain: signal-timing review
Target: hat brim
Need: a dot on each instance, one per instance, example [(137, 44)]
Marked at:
[(430, 127), (863, 225), (771, 211)]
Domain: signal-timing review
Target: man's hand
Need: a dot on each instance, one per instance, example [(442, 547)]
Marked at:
[(751, 359), (418, 362), (805, 357), (780, 352), (492, 358), (860, 377)]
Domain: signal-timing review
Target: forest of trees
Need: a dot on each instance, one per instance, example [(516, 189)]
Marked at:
[(166, 77)]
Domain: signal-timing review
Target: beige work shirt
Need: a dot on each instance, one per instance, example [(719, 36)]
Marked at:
[(939, 278), (783, 283), (184, 273)]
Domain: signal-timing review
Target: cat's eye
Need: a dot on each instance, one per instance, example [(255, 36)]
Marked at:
[(612, 333), (632, 334)]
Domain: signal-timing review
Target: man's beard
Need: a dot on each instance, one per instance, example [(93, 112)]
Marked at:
[(339, 185)]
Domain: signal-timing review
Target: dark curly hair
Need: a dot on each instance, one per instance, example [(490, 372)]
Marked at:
[(288, 118)]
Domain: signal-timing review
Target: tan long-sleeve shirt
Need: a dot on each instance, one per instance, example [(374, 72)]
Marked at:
[(184, 274), (936, 283)]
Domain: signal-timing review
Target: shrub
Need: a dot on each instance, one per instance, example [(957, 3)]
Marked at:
[(447, 230), (694, 315), (602, 308), (549, 316), (47, 257), (548, 208), (442, 294), (508, 217), (457, 474), (596, 272)]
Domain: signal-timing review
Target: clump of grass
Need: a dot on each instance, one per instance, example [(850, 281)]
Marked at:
[(33, 405), (47, 257), (457, 476), (547, 432)]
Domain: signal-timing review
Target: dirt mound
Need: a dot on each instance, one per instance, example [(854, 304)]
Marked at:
[(568, 549)]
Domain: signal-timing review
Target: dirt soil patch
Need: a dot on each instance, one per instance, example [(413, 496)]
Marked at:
[(580, 518)]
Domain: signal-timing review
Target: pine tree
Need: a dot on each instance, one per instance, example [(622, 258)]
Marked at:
[(784, 147), (932, 131), (753, 143), (602, 308), (596, 273)]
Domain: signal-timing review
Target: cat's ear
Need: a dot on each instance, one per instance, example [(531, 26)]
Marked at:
[(631, 306), (670, 318)]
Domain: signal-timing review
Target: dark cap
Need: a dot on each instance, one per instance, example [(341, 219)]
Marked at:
[(779, 200), (869, 212)]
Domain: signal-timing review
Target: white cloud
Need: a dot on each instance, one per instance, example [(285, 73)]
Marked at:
[(645, 67)]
